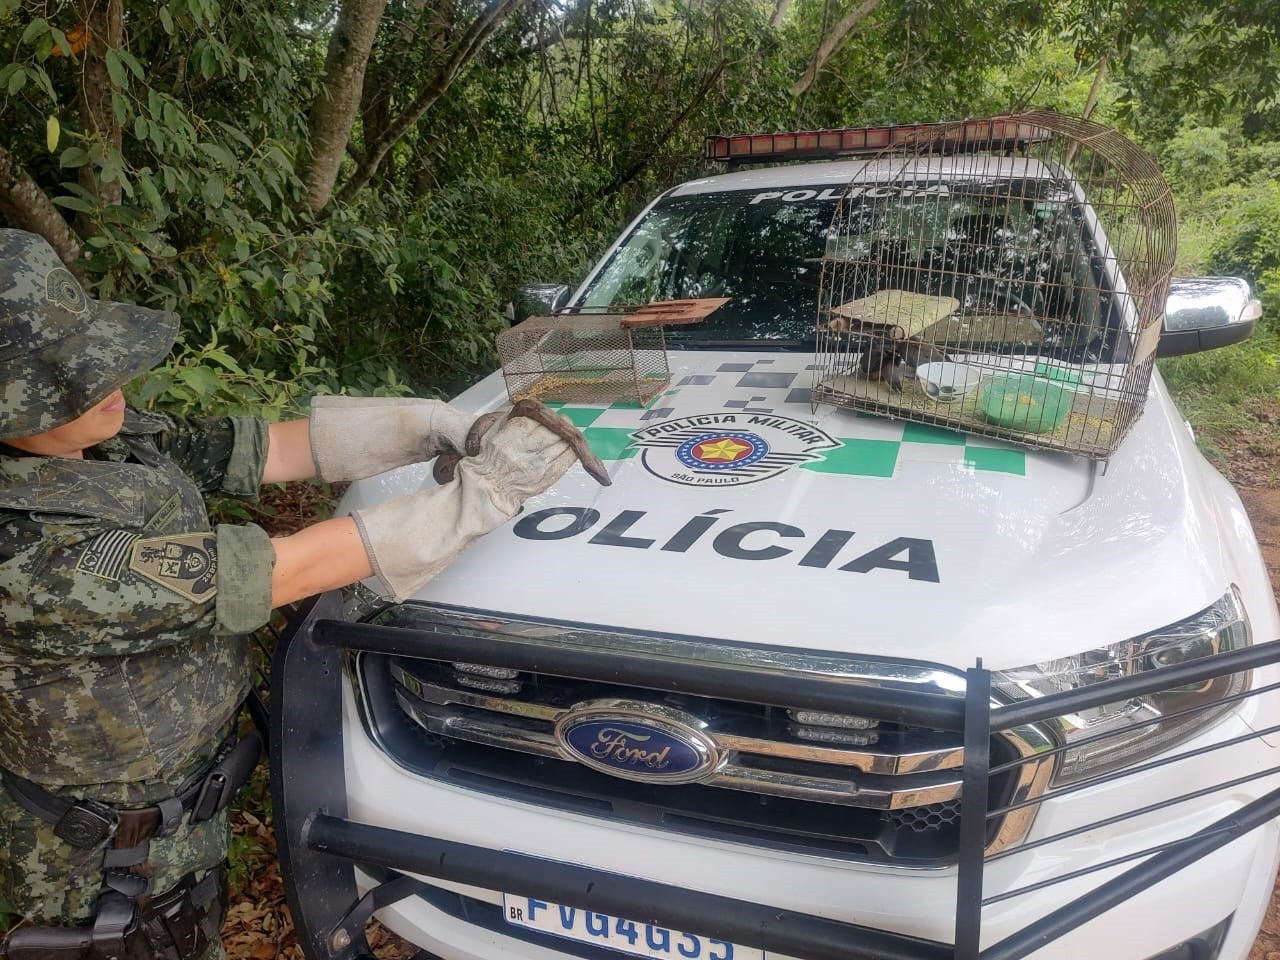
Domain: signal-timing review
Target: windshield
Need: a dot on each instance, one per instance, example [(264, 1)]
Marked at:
[(996, 247), (764, 253)]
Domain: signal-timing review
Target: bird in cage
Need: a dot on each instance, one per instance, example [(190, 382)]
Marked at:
[(894, 362)]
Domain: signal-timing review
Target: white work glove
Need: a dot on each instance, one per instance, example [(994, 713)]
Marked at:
[(357, 437), (412, 538)]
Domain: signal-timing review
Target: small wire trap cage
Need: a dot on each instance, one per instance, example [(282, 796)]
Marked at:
[(1005, 277), (596, 354)]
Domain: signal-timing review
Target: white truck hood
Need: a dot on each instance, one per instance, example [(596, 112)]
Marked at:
[(739, 512)]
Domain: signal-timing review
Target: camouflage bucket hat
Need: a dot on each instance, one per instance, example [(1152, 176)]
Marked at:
[(60, 351)]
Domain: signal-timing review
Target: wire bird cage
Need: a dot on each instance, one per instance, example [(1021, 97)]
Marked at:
[(595, 355), (1004, 277)]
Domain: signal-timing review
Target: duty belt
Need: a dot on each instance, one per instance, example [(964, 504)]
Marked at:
[(130, 923), (88, 823)]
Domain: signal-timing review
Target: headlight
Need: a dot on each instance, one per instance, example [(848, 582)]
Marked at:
[(1134, 727)]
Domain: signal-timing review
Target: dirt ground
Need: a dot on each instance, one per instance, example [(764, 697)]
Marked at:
[(259, 927), (1263, 504)]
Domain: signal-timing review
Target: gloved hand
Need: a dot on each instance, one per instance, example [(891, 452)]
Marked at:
[(412, 538), (357, 437), (562, 427)]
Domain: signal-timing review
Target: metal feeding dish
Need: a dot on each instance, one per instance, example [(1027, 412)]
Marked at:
[(1004, 277), (595, 355)]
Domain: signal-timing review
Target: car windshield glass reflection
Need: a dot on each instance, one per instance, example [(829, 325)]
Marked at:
[(994, 250), (766, 255)]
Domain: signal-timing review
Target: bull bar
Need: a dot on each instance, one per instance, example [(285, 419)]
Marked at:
[(319, 846)]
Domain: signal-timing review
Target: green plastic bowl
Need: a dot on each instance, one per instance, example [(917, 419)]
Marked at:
[(1025, 402)]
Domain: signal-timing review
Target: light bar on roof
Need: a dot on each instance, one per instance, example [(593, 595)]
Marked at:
[(972, 136)]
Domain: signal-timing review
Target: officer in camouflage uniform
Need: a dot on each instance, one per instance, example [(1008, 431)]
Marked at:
[(123, 613)]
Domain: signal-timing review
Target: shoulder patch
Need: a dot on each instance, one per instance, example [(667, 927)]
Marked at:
[(105, 555), (187, 563)]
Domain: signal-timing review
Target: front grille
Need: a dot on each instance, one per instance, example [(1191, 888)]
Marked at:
[(789, 778), (935, 816)]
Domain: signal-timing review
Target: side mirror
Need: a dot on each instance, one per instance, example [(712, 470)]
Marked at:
[(537, 300), (1204, 313)]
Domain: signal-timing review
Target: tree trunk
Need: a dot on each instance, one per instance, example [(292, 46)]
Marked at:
[(104, 20), (1091, 101), (384, 75), (832, 43), (27, 207), (375, 105), (463, 53), (333, 112), (780, 9)]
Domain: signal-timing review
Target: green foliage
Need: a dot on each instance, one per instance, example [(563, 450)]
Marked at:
[(207, 225), (1197, 158), (1228, 377), (912, 61), (244, 851), (1222, 392), (569, 120), (1249, 232), (1225, 393), (1238, 229), (1054, 78), (1216, 62), (462, 250), (247, 850), (1256, 162)]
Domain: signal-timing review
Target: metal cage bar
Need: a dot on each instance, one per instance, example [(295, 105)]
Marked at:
[(1008, 293)]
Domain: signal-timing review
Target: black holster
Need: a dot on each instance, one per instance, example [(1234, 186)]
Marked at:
[(132, 924), (179, 924)]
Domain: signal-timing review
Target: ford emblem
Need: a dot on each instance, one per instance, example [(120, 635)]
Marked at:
[(648, 742)]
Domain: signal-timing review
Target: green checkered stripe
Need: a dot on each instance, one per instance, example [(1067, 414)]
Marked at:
[(877, 448), (919, 443), (607, 442)]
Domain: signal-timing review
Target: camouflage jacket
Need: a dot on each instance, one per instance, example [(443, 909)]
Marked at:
[(122, 615)]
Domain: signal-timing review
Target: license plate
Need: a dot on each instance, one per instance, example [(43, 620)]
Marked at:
[(617, 933)]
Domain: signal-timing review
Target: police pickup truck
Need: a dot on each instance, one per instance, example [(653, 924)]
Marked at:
[(801, 682)]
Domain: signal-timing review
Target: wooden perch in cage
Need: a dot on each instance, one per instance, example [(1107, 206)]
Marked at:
[(891, 314), (664, 312)]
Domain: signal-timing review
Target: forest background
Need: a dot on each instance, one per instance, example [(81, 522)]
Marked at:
[(344, 195)]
